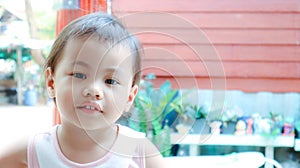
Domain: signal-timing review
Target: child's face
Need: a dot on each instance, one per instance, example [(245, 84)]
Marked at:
[(93, 84)]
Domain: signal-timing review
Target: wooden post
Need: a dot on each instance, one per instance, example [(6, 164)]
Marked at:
[(269, 153), (193, 150)]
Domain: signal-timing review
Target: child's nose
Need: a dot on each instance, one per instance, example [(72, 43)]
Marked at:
[(93, 92)]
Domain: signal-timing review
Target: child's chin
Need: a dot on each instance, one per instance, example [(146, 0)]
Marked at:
[(93, 127)]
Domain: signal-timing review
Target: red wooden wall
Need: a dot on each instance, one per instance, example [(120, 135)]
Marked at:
[(65, 16), (249, 45)]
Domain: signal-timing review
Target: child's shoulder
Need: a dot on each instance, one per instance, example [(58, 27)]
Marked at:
[(146, 148), (15, 156)]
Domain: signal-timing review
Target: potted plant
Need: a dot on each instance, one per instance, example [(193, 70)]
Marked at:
[(229, 119), (197, 119), (271, 126), (153, 111), (214, 118)]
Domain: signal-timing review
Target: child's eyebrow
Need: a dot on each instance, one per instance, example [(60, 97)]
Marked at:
[(112, 69), (115, 70), (80, 63)]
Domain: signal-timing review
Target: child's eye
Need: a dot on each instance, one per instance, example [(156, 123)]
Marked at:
[(79, 75), (111, 82)]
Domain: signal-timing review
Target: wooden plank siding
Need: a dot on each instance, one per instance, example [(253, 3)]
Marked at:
[(250, 45)]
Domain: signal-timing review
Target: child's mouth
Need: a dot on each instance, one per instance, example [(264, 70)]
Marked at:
[(90, 108)]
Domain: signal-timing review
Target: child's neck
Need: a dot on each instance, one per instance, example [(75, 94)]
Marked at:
[(84, 146)]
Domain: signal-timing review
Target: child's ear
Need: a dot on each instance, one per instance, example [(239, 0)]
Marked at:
[(50, 83), (133, 91)]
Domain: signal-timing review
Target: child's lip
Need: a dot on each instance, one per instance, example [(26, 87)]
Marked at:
[(91, 107)]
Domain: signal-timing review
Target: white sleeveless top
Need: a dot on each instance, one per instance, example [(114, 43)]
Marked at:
[(44, 152)]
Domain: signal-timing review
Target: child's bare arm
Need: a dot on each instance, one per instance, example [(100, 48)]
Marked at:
[(153, 157), (15, 157)]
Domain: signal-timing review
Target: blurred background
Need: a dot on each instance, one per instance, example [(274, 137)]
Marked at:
[(227, 62)]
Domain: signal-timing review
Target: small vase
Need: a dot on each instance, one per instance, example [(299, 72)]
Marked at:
[(200, 126), (228, 128)]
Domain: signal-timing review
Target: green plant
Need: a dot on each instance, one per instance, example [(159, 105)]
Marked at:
[(152, 105), (276, 122), (197, 111), (190, 113), (231, 114)]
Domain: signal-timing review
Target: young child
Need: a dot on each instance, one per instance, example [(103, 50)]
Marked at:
[(92, 73)]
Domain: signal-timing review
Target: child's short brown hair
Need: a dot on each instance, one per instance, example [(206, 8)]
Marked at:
[(104, 27)]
